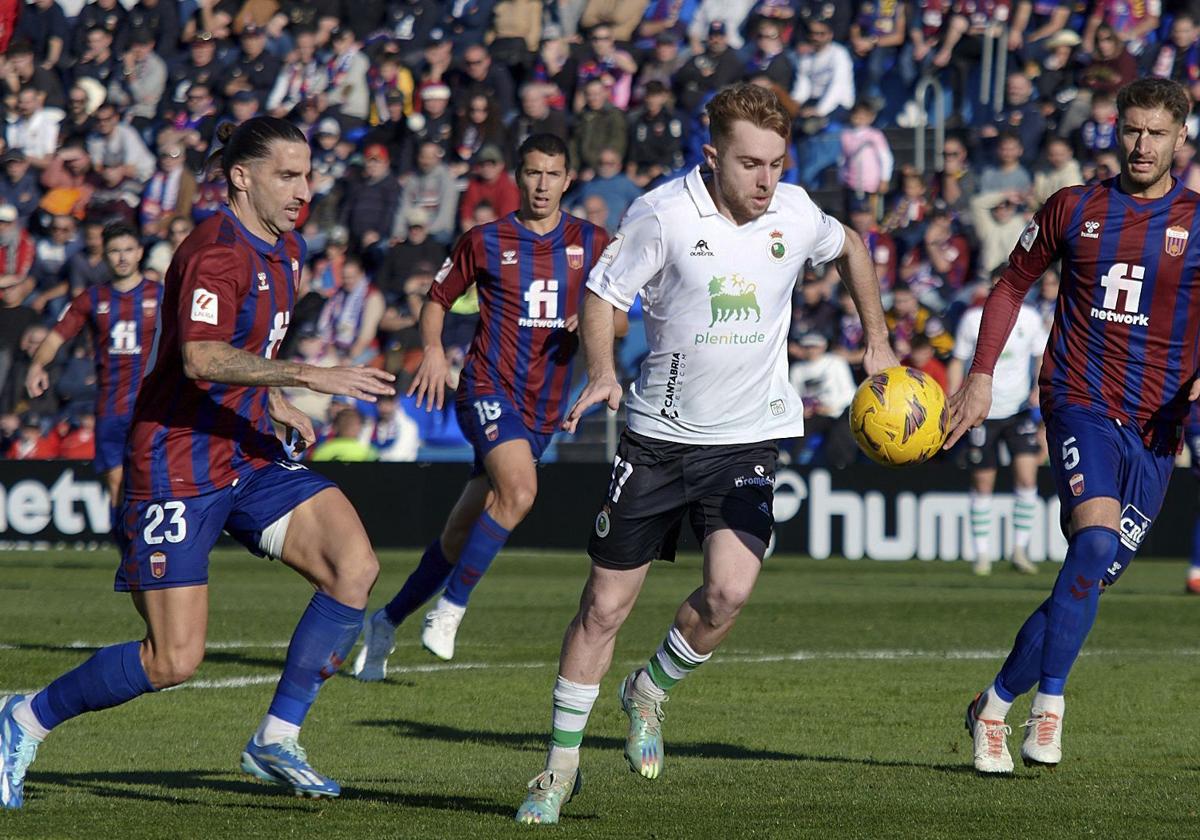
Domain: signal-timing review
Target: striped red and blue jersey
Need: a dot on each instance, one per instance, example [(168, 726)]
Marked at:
[(529, 286), (191, 437), (1125, 340), (122, 327)]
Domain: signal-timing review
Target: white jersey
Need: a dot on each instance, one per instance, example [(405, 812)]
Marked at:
[(717, 299), (1012, 380)]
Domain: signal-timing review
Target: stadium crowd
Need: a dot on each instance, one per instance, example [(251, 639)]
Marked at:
[(414, 110)]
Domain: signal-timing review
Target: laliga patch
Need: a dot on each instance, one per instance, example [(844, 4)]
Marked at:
[(443, 272), (1076, 484), (204, 306), (1134, 525), (158, 564), (1029, 235), (612, 249)]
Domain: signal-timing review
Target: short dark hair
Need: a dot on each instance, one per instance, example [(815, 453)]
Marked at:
[(115, 230), (547, 144), (1150, 93), (252, 140)]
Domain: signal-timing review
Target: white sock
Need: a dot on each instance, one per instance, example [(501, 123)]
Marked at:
[(993, 707), (1048, 703), (448, 606), (981, 524), (562, 761), (644, 684), (1024, 508), (23, 714), (274, 730)]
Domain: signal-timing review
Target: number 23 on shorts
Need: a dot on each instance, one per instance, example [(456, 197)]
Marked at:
[(165, 523)]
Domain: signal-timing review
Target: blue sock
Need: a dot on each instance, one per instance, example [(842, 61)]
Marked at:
[(1024, 664), (323, 638), (1074, 602), (429, 576), (483, 544), (114, 675)]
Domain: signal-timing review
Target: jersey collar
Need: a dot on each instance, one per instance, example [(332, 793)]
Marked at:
[(698, 190), (261, 245), (1141, 205)]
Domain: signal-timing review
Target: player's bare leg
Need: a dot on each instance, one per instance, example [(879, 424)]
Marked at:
[(587, 649), (512, 474), (732, 561), (113, 483), (983, 484), (1025, 490), (325, 541)]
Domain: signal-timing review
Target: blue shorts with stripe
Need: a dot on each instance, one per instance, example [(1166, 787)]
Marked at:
[(488, 420), (1094, 456), (112, 433), (165, 542)]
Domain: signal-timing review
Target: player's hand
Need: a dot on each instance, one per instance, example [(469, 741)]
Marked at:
[(294, 420), (362, 383), (607, 389), (879, 357), (37, 381), (572, 322), (1193, 392), (969, 406), (430, 382)]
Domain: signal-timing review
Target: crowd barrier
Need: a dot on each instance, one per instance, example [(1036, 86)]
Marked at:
[(864, 512)]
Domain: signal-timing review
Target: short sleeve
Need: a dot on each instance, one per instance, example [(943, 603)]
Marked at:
[(632, 259), (210, 295), (829, 236), (456, 274), (72, 319)]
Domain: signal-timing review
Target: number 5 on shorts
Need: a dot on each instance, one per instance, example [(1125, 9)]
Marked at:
[(176, 529), (1070, 454)]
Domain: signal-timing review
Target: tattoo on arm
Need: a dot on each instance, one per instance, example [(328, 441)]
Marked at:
[(216, 361)]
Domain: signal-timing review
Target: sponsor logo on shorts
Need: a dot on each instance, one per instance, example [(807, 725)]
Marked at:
[(158, 564), (204, 306), (1134, 525), (1076, 484), (603, 523), (759, 479)]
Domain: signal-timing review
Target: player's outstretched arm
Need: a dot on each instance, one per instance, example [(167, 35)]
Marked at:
[(37, 380), (858, 273), (429, 383), (217, 361), (597, 339), (969, 406)]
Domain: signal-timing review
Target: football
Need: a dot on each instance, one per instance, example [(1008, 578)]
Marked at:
[(899, 417)]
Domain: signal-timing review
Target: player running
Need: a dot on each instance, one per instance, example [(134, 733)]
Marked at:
[(716, 260), (203, 456), (1119, 370), (1010, 422), (121, 316), (530, 269)]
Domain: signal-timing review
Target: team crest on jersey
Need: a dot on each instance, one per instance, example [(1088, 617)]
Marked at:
[(575, 256), (1076, 484), (158, 564), (102, 308), (777, 248), (1176, 241), (149, 303), (204, 306), (508, 258), (1029, 235), (1091, 229), (492, 432), (263, 285)]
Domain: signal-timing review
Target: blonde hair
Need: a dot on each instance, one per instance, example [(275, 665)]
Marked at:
[(750, 103)]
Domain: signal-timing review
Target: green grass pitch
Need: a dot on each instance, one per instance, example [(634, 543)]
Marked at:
[(834, 710)]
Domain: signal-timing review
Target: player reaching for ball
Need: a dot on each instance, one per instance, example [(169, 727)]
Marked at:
[(1117, 376), (715, 259)]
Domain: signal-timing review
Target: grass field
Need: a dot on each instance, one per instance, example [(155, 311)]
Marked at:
[(833, 711)]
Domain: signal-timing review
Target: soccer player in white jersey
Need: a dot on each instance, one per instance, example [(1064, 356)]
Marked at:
[(715, 259), (1010, 421)]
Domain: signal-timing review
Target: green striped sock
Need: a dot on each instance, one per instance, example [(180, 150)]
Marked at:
[(674, 660), (981, 524), (572, 704), (1024, 509)]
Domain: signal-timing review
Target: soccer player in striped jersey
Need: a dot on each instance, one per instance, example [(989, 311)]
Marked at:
[(529, 268), (121, 316), (1117, 376), (203, 457)]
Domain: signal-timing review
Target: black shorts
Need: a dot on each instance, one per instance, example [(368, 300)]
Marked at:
[(1019, 434), (654, 482)]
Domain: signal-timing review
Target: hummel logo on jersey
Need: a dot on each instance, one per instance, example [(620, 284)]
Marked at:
[(701, 249), (1091, 229), (102, 308), (508, 258), (1122, 277), (542, 297)]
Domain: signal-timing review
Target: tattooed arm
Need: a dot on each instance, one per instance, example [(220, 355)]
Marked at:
[(217, 361)]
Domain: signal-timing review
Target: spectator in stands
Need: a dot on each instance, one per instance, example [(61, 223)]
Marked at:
[(347, 90), (1034, 24), (17, 249), (609, 64), (437, 63), (921, 356), (159, 258), (1060, 170), (711, 68), (826, 388), (35, 130), (613, 185), (345, 444), (490, 182), (467, 22), (906, 217), (998, 220), (52, 254), (848, 339), (116, 150), (595, 209), (1021, 116), (955, 185), (200, 67), (536, 117), (82, 101), (32, 444), (620, 17), (371, 203), (1135, 24), (389, 76), (600, 125), (880, 245), (812, 311), (723, 17), (255, 69), (302, 77), (432, 188), (1056, 84), (108, 15), (437, 122), (21, 71), (1184, 166), (78, 442), (87, 267), (161, 19), (392, 434), (393, 132), (1111, 66), (349, 321), (15, 320), (824, 89), (44, 25), (769, 56), (876, 37), (1179, 57), (479, 125), (143, 80), (866, 159), (171, 190), (1098, 133), (329, 167), (1008, 175), (908, 318), (662, 65), (480, 76), (415, 249), (19, 184), (98, 60), (938, 267), (656, 138)]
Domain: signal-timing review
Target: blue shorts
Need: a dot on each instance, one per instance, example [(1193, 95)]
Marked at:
[(1191, 436), (166, 542), (488, 420), (112, 432), (1093, 456)]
